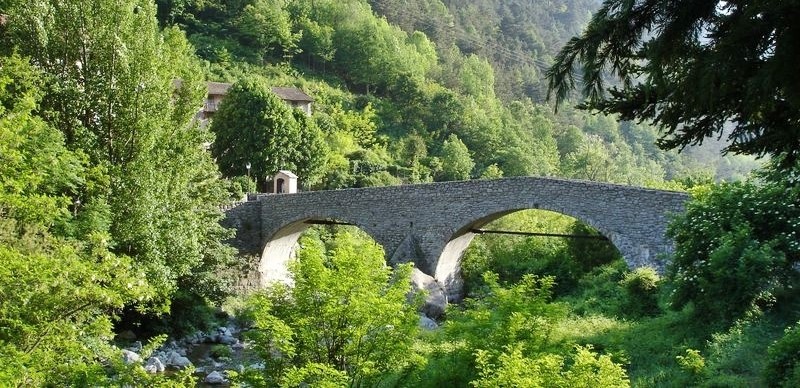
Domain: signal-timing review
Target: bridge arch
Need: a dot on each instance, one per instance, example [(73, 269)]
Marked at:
[(280, 246), (448, 265)]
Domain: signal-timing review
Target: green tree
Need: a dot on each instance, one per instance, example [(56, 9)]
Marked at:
[(457, 163), (592, 160), (693, 68), (56, 292), (266, 26), (501, 316), (311, 151), (736, 246), (110, 87), (498, 320), (346, 315), (783, 364), (491, 172), (254, 126)]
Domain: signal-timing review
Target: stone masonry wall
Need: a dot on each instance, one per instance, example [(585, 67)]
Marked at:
[(429, 224), (245, 219)]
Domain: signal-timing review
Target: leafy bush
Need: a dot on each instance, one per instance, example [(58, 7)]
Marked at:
[(346, 312), (512, 369), (493, 322), (736, 245), (187, 314), (567, 260), (599, 291), (692, 361), (641, 289), (240, 185), (783, 362)]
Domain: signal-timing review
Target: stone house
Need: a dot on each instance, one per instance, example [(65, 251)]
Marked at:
[(293, 97), (216, 92)]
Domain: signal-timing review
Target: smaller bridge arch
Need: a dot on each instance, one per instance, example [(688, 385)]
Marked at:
[(281, 246)]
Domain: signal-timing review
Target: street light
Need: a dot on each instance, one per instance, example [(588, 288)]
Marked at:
[(248, 165)]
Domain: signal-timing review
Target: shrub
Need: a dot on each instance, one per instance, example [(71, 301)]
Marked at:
[(512, 369), (641, 289), (783, 362), (692, 362), (736, 245), (346, 313)]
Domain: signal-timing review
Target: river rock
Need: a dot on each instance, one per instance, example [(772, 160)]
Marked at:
[(196, 338), (129, 357), (136, 347), (177, 361), (215, 378), (427, 323), (436, 299), (226, 339), (154, 365)]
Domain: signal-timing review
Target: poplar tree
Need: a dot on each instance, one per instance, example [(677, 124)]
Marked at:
[(110, 86)]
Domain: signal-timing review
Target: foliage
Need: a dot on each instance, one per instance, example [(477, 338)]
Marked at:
[(317, 375), (587, 369), (783, 360), (266, 25), (220, 351), (511, 336), (103, 170), (56, 292), (730, 353), (695, 69), (692, 361), (523, 310), (600, 291), (501, 317), (516, 37), (113, 95), (736, 245), (590, 253), (568, 260), (346, 315), (642, 291), (277, 137), (457, 164)]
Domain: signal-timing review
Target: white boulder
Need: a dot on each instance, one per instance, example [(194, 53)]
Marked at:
[(436, 299), (215, 378)]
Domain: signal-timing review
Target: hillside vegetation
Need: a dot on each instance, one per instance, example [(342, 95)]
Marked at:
[(110, 197), (392, 91)]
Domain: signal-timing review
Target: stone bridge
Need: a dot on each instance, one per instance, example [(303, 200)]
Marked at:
[(431, 224)]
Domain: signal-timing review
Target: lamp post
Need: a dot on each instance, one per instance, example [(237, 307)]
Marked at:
[(248, 165)]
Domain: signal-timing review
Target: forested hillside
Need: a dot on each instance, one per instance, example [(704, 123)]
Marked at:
[(391, 92), (519, 38), (111, 193)]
